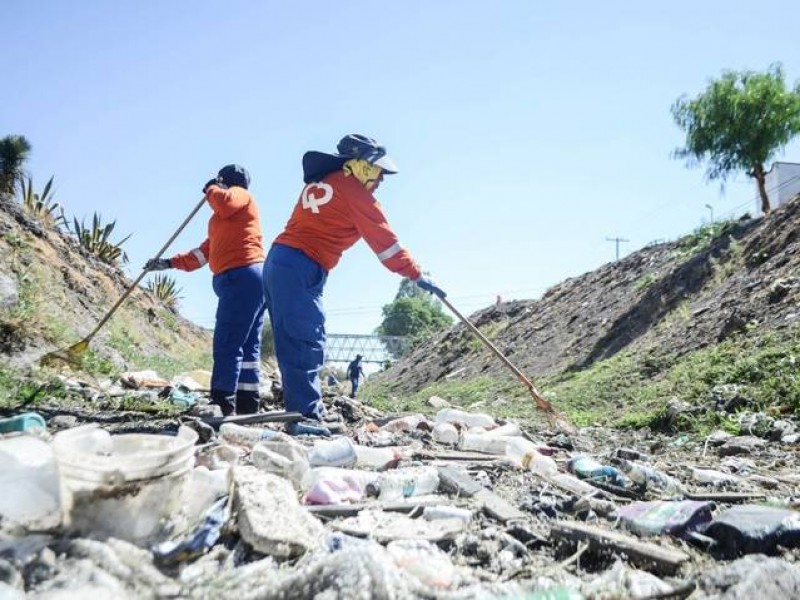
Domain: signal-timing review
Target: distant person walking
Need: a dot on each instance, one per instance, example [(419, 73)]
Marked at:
[(234, 251), (335, 209), (355, 372)]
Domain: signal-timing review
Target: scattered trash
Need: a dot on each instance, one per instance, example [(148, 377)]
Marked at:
[(427, 507)]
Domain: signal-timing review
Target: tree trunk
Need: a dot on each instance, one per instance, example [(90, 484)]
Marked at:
[(760, 176)]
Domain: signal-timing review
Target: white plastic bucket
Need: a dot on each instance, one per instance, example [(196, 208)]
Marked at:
[(125, 486)]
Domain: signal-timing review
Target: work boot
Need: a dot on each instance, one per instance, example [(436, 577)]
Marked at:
[(247, 402), (225, 400)]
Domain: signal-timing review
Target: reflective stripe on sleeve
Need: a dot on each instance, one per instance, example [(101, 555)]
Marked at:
[(389, 252), (198, 254)]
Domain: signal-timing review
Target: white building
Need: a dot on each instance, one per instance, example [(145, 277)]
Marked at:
[(782, 183)]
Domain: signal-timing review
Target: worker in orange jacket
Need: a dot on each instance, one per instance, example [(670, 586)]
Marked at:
[(234, 251), (335, 209)]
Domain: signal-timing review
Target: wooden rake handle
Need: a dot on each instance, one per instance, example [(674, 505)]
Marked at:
[(144, 272), (541, 402)]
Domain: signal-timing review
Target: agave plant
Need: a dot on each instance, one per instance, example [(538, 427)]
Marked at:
[(41, 205), (95, 239), (165, 289)]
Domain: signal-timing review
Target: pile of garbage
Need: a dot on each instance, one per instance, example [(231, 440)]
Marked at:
[(454, 505)]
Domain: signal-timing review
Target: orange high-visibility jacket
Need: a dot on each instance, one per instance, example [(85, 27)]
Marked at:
[(234, 233), (333, 214)]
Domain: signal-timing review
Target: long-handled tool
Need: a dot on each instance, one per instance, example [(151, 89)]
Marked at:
[(74, 354), (541, 402)]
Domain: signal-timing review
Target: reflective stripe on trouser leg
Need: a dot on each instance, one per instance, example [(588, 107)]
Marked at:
[(293, 291), (247, 396), (239, 312)]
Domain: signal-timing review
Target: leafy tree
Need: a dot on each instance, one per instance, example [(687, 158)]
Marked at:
[(14, 150), (412, 314), (739, 123)]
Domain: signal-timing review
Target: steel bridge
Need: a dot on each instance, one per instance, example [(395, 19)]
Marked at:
[(343, 347)]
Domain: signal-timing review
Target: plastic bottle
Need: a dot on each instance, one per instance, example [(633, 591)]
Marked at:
[(445, 433), (435, 513), (29, 422), (586, 467), (453, 415), (339, 452), (524, 454), (649, 477), (248, 436), (480, 442), (403, 483), (377, 458)]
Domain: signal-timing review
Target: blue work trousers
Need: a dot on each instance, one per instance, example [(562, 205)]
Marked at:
[(293, 285), (237, 333), (353, 386)]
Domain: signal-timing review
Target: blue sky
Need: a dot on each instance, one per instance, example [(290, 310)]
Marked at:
[(526, 133)]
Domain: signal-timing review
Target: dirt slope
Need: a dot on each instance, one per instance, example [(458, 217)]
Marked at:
[(669, 298), (52, 293)]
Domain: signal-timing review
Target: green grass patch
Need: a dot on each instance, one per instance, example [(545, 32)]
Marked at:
[(634, 389)]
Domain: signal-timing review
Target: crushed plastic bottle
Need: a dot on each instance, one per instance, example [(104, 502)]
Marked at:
[(248, 436), (445, 433), (648, 477), (339, 452), (29, 422), (403, 483), (588, 468)]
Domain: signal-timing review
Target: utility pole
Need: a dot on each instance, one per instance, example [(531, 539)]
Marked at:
[(617, 241), (711, 210)]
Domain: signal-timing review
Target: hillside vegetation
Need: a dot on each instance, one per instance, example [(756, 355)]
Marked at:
[(662, 337), (53, 292)]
